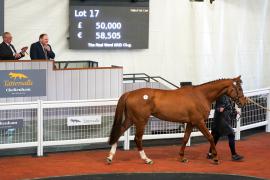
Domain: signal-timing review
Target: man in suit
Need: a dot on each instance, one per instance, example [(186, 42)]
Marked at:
[(41, 49), (7, 50)]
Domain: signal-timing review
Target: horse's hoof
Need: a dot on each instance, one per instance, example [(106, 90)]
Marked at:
[(184, 160), (108, 160), (216, 161), (149, 162)]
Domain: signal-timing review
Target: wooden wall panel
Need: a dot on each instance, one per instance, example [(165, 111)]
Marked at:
[(99, 83)]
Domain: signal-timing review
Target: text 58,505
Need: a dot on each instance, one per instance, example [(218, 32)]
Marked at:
[(108, 35)]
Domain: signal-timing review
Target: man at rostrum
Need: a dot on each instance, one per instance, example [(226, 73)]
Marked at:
[(41, 49)]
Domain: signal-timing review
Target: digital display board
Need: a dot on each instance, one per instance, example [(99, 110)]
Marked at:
[(107, 24)]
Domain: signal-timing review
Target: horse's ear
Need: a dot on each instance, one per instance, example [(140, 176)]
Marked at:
[(238, 78)]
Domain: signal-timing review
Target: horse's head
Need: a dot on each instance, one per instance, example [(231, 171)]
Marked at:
[(235, 91)]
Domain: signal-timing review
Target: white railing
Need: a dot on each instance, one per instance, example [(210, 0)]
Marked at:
[(45, 123)]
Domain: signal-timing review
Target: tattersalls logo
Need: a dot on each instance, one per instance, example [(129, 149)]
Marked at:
[(17, 75), (18, 79), (22, 83)]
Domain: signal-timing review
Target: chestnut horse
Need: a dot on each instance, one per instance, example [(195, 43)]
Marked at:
[(190, 104)]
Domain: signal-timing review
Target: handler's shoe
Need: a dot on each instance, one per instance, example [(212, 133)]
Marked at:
[(237, 157)]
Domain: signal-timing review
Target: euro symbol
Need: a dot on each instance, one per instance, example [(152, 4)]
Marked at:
[(79, 35)]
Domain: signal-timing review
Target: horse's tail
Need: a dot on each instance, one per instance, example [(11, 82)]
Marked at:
[(118, 118)]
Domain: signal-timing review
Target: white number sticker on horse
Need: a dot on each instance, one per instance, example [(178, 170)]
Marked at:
[(145, 97)]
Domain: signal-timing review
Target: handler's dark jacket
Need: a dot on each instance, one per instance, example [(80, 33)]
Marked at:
[(223, 120)]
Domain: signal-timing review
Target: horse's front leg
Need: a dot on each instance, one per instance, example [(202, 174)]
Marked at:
[(188, 131), (202, 127)]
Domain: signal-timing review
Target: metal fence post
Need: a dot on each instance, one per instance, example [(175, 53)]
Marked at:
[(268, 114), (238, 124), (40, 129), (126, 140)]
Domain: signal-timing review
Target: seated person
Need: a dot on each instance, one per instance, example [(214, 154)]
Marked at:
[(41, 49), (8, 51)]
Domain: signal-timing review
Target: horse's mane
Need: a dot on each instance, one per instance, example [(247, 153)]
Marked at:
[(211, 82)]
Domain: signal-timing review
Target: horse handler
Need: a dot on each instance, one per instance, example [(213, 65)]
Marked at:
[(225, 114)]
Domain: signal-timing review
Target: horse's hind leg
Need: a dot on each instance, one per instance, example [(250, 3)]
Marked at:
[(127, 124), (138, 141), (185, 140), (202, 127)]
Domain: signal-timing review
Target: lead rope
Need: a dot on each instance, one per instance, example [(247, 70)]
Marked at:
[(250, 100)]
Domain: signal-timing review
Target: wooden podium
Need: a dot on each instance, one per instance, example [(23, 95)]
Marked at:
[(70, 83)]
